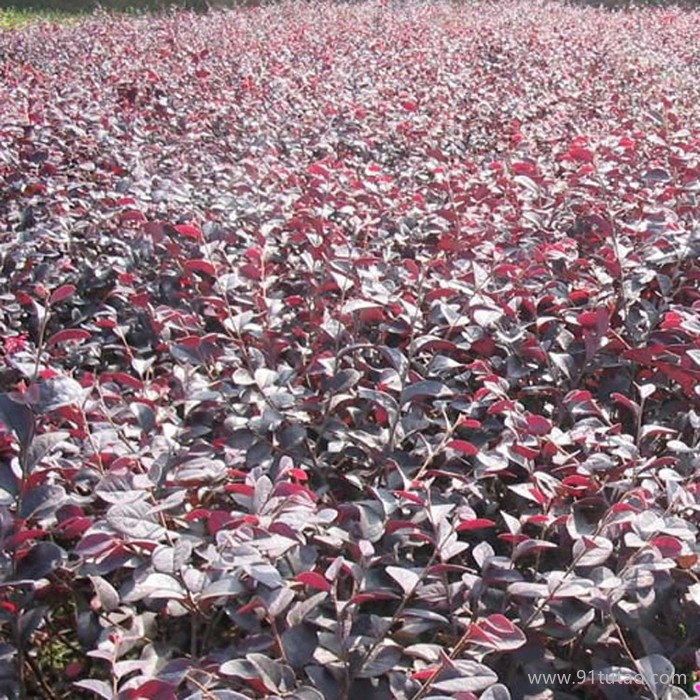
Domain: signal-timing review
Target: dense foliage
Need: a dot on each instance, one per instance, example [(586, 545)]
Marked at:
[(350, 352), (131, 6)]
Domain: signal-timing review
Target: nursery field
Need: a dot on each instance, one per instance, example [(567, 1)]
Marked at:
[(351, 352)]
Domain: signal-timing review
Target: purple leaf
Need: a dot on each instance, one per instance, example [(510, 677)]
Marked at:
[(41, 560), (380, 661), (18, 417), (425, 389), (299, 645), (51, 394)]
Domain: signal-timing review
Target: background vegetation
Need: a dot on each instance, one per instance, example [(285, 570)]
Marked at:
[(75, 6), (81, 6), (78, 6)]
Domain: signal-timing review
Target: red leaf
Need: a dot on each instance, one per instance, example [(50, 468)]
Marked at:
[(218, 520), (244, 489), (153, 690), (425, 673), (625, 401), (469, 423), (67, 335), (414, 497), (463, 446), (643, 356), (580, 154), (318, 169), (672, 319), (200, 266), (394, 525), (189, 231), (197, 514), (525, 451), (498, 632), (484, 346), (314, 580), (251, 271), (687, 379), (133, 215), (501, 406), (19, 538), (668, 546), (448, 243), (446, 568), (538, 425), (63, 292), (371, 596), (476, 524), (579, 296), (522, 168), (259, 686), (254, 253), (538, 519), (578, 485), (48, 373), (156, 229), (598, 320), (512, 538), (122, 378), (74, 527), (687, 561)]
